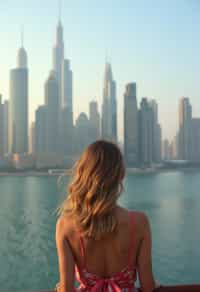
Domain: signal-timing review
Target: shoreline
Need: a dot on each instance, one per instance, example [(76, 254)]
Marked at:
[(129, 171)]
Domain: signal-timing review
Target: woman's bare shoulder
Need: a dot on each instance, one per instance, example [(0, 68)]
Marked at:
[(140, 217), (65, 224)]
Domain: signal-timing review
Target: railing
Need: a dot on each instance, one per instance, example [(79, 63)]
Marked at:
[(181, 288)]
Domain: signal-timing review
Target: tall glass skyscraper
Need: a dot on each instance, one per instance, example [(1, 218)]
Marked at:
[(52, 113), (18, 106), (58, 58), (185, 119), (109, 107), (131, 140)]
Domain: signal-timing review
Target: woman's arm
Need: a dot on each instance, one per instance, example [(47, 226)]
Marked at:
[(65, 259), (144, 259)]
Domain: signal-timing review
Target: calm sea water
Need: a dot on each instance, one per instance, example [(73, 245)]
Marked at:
[(28, 259)]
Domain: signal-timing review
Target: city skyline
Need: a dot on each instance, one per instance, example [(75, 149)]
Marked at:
[(163, 84)]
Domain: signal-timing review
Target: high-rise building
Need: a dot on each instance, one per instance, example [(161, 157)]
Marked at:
[(131, 141), (32, 138), (67, 87), (52, 114), (146, 128), (195, 140), (157, 133), (66, 132), (63, 73), (58, 58), (66, 135), (40, 130), (5, 125), (81, 132), (166, 150), (1, 127), (18, 106), (109, 107), (94, 119), (174, 147), (185, 117)]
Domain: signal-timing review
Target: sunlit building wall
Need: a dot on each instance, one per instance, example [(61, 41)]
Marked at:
[(52, 113), (109, 107), (40, 130), (195, 140), (82, 136), (185, 117), (18, 106), (1, 127), (131, 141), (146, 128), (94, 119)]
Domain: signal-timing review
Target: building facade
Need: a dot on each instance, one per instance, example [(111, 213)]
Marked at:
[(94, 120), (82, 136), (195, 140), (66, 132), (109, 107), (40, 130), (67, 85), (185, 118), (146, 129), (1, 127), (131, 141), (32, 138), (58, 58), (52, 114), (18, 106)]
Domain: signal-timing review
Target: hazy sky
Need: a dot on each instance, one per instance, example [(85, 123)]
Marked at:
[(155, 43)]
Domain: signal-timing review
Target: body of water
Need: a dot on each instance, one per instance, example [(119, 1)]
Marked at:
[(28, 259)]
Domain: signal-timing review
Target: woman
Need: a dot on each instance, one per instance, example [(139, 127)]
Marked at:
[(101, 243)]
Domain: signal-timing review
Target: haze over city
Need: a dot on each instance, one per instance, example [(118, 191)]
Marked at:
[(155, 45)]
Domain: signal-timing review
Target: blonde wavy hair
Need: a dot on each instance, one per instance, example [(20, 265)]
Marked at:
[(96, 184)]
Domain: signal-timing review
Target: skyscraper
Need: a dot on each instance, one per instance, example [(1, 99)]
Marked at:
[(157, 133), (145, 133), (1, 127), (5, 125), (66, 132), (166, 150), (18, 106), (82, 132), (131, 126), (58, 58), (94, 119), (67, 79), (61, 67), (109, 107), (40, 130), (52, 113), (185, 117), (66, 135), (195, 140), (32, 138), (64, 77)]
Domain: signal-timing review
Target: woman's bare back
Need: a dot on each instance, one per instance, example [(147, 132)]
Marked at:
[(110, 255)]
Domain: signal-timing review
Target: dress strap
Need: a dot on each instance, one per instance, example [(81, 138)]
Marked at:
[(131, 232), (82, 250)]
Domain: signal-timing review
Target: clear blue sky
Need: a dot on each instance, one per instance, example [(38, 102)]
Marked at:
[(155, 43)]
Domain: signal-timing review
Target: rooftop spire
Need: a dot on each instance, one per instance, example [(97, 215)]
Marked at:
[(22, 55)]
